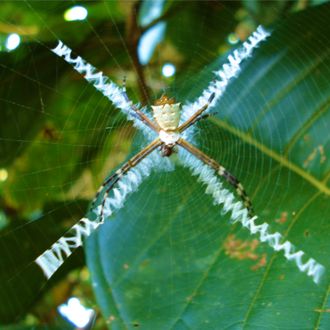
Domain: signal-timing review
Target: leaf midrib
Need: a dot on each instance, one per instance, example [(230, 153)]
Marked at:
[(320, 185), (271, 262), (318, 321)]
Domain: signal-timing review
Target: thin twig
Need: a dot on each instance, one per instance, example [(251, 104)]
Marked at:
[(172, 10), (134, 35)]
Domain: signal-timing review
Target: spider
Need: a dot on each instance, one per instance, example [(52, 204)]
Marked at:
[(166, 112)]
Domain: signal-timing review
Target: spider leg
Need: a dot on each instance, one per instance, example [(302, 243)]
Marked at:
[(222, 171), (113, 179), (102, 83), (201, 117), (138, 113), (196, 116), (52, 259), (116, 176)]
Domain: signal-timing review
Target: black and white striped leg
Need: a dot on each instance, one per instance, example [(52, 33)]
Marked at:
[(197, 115), (113, 179), (231, 179), (52, 259), (222, 171), (137, 113)]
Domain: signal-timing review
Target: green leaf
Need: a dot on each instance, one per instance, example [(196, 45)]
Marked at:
[(171, 260)]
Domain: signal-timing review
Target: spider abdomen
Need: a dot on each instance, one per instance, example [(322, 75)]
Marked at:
[(167, 116)]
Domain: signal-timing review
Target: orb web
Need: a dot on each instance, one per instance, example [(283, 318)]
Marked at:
[(169, 231)]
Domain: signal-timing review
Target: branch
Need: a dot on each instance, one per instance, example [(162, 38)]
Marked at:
[(134, 35), (174, 9)]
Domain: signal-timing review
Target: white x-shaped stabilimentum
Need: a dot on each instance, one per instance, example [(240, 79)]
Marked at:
[(172, 127)]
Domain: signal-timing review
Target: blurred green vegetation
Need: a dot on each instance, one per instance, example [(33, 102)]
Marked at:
[(60, 138)]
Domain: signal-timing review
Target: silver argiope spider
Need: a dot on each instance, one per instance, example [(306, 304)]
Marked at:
[(166, 113)]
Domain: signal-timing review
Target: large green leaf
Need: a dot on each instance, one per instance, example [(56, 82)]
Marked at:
[(171, 260)]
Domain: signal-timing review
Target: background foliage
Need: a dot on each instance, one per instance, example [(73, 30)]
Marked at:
[(170, 260)]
